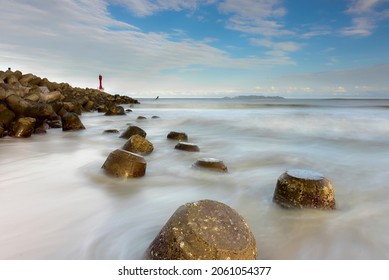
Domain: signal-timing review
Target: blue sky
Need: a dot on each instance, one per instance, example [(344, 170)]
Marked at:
[(295, 48)]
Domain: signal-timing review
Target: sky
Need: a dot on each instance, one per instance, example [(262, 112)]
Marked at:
[(212, 48)]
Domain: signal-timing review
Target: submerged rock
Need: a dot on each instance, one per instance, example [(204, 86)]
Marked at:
[(211, 164), (23, 127), (180, 136), (115, 131), (121, 163), (138, 144), (189, 147), (304, 189), (55, 123), (71, 121), (133, 130), (102, 108), (42, 128), (204, 230), (115, 111)]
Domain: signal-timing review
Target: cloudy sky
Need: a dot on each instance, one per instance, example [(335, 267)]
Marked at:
[(144, 48)]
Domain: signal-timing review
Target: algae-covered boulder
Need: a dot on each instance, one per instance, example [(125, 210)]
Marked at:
[(23, 127), (304, 189), (6, 116), (71, 121), (204, 230), (124, 164), (139, 145), (213, 164), (115, 111), (133, 130)]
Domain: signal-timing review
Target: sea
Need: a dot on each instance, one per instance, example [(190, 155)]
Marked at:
[(56, 202)]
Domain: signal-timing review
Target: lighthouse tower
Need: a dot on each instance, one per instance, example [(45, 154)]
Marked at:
[(101, 82)]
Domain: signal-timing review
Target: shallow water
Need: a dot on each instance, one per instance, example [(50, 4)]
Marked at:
[(56, 203)]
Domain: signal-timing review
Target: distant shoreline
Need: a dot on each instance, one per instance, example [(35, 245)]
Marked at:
[(253, 97)]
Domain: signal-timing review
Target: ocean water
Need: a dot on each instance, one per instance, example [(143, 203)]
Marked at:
[(57, 203)]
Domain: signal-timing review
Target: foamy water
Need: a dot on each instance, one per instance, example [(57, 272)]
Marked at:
[(56, 203)]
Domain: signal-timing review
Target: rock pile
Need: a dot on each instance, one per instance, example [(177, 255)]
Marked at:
[(29, 96)]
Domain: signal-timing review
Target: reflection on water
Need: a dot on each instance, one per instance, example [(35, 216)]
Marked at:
[(56, 203)]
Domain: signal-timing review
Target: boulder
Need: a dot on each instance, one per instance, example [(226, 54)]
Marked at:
[(141, 118), (139, 145), (42, 128), (180, 136), (204, 230), (89, 106), (304, 189), (133, 130), (189, 147), (54, 123), (33, 97), (12, 80), (51, 96), (102, 108), (124, 164), (23, 127), (3, 93), (211, 164), (115, 111), (41, 111), (17, 104), (6, 117), (71, 121), (26, 78)]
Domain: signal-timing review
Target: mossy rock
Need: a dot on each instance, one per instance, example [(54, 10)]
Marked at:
[(213, 164), (71, 121), (180, 136), (304, 189), (124, 164), (133, 130), (188, 147), (139, 145), (23, 127), (204, 230)]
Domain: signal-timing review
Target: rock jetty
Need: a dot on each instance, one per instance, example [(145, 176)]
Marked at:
[(29, 96)]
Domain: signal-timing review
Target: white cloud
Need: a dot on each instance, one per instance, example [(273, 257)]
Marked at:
[(362, 6), (365, 16), (362, 26), (258, 17), (149, 7), (278, 49), (316, 31), (339, 89)]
